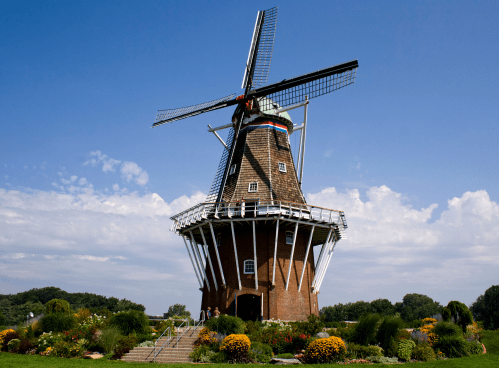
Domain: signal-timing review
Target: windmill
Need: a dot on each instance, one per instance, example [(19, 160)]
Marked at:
[(251, 242)]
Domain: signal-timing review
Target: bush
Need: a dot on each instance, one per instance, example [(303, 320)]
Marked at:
[(25, 346), (447, 329), (6, 336), (64, 349), (125, 344), (161, 326), (388, 331), (325, 350), (109, 338), (236, 346), (312, 326), (356, 351), (57, 322), (57, 306), (423, 352), (252, 327), (200, 353), (13, 345), (227, 325), (404, 349), (130, 321), (453, 346), (365, 329), (261, 352), (475, 347)]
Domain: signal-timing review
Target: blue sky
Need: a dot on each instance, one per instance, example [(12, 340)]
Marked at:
[(408, 152)]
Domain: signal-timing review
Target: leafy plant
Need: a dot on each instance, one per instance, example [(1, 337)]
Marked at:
[(404, 349), (130, 321), (285, 356), (365, 329), (423, 352), (388, 331), (109, 338), (262, 352), (57, 306), (13, 345), (57, 322), (382, 359), (453, 346), (6, 336), (447, 329), (125, 344), (226, 325)]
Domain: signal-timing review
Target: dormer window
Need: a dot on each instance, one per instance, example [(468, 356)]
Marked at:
[(253, 187), (232, 169), (249, 266), (282, 167), (289, 237)]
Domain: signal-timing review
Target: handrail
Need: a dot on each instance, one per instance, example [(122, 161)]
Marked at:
[(168, 341), (178, 328)]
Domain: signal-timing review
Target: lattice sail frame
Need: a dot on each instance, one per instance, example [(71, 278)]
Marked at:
[(312, 89), (167, 116), (265, 48)]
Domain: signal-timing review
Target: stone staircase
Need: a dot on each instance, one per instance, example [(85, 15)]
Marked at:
[(171, 354)]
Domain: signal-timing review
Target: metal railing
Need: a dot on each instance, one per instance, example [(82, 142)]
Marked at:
[(170, 336), (256, 209)]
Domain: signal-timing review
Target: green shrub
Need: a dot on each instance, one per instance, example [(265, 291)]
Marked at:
[(57, 306), (365, 329), (285, 356), (64, 349), (382, 359), (423, 352), (13, 345), (125, 344), (453, 346), (447, 329), (346, 332), (57, 322), (404, 349), (226, 325), (312, 326), (388, 331), (475, 347), (198, 353), (219, 357), (261, 352), (130, 321), (252, 327), (356, 351), (26, 345), (109, 338)]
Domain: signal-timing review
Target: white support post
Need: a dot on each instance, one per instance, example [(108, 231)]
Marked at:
[(306, 257), (261, 309), (205, 246), (219, 138), (235, 253), (192, 261), (291, 257), (299, 150), (319, 283), (275, 251), (216, 252), (318, 266), (200, 263), (304, 132), (254, 252)]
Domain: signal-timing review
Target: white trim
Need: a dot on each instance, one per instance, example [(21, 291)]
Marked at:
[(282, 167)]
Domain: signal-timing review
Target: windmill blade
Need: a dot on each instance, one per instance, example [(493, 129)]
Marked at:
[(262, 46), (315, 84), (167, 116)]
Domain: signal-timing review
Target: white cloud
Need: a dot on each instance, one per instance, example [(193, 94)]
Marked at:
[(97, 157), (130, 171)]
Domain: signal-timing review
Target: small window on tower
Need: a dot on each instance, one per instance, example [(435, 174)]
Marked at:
[(289, 237), (219, 239), (249, 266), (282, 167), (232, 169), (253, 187)]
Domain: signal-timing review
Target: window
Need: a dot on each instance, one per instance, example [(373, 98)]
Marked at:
[(253, 187), (289, 237), (249, 266), (219, 239), (282, 166), (232, 169)]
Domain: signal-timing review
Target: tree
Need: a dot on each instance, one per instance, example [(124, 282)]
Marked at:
[(177, 310), (383, 307), (337, 313), (460, 313), (358, 309), (57, 306), (417, 306), (486, 308), (2, 319)]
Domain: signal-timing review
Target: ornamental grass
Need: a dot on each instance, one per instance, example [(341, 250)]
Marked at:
[(326, 350)]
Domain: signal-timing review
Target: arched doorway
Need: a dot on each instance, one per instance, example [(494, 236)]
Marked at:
[(249, 307)]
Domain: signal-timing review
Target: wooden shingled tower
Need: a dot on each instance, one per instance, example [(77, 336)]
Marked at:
[(252, 242)]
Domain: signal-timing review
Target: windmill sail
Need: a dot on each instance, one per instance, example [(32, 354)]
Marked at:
[(263, 42), (315, 84), (167, 116)]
